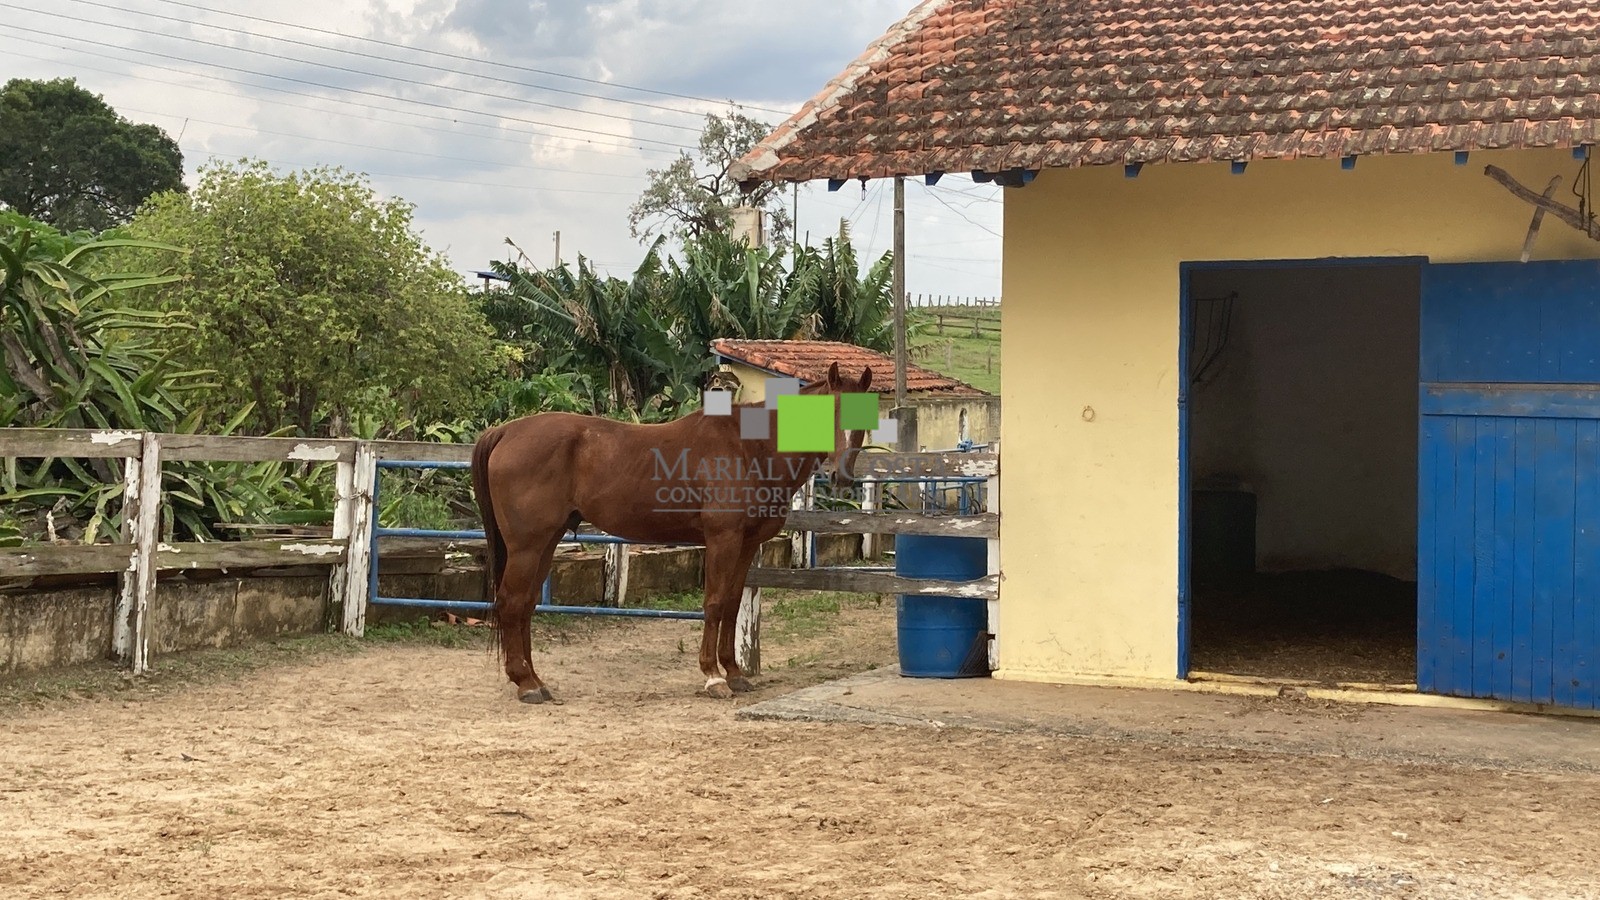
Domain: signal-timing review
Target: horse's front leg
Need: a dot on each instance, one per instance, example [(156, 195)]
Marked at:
[(724, 577)]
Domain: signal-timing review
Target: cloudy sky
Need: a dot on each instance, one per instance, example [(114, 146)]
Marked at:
[(498, 118)]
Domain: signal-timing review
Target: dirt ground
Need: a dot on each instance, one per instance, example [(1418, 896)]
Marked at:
[(409, 771)]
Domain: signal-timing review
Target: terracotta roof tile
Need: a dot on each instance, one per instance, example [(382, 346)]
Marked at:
[(989, 85), (809, 361)]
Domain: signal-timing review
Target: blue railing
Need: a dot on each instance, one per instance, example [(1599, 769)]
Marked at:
[(544, 605)]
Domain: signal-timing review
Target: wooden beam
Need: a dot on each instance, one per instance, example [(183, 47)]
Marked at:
[(866, 581), (64, 559), (986, 525), (1560, 210), (146, 533), (1538, 219), (68, 443), (238, 448), (250, 554), (923, 465), (422, 451), (359, 553)]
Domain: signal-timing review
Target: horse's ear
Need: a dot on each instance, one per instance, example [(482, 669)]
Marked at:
[(866, 378), (833, 378)]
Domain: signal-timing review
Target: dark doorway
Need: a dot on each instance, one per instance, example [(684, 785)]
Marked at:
[(1302, 455)]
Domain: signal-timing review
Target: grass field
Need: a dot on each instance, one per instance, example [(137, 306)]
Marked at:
[(975, 360)]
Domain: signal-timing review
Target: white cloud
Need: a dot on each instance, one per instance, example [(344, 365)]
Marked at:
[(478, 168)]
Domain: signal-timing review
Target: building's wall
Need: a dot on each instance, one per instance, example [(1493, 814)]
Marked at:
[(1091, 272), (1311, 405), (752, 382), (938, 419)]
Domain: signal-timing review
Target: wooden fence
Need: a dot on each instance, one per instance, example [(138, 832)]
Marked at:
[(918, 301), (141, 552)]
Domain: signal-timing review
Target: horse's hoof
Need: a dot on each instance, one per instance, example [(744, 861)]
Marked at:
[(717, 689), (536, 696), (741, 685)]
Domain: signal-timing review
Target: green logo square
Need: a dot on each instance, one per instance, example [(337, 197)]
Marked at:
[(858, 412), (805, 423)]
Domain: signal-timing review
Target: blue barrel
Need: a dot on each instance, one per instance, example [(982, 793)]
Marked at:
[(941, 637)]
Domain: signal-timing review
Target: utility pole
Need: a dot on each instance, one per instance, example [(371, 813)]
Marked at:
[(558, 249), (903, 415)]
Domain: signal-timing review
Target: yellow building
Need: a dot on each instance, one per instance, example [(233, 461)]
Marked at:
[(1255, 397)]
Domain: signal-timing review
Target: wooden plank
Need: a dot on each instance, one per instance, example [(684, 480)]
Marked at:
[(869, 582), (128, 581), (920, 465), (422, 451), (1434, 554), (68, 443), (1505, 547), (237, 448), (1552, 529), (344, 515), (614, 588), (1560, 401), (359, 558), (747, 629), (250, 554), (1522, 569), (146, 533), (1586, 565), (1485, 562), (64, 559), (983, 525), (1563, 652), (1461, 531)]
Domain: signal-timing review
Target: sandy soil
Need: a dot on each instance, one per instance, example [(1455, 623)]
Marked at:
[(410, 772)]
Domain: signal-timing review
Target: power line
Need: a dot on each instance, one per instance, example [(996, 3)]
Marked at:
[(465, 58), (963, 215), (501, 185), (307, 137), (296, 106), (397, 78), (391, 59), (331, 87)]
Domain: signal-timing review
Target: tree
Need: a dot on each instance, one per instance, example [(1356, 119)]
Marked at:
[(694, 197), (309, 295), (68, 159)]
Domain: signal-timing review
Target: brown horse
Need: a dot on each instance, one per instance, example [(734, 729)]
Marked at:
[(693, 480)]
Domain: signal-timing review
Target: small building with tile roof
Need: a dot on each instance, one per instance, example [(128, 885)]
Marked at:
[(1277, 301), (948, 410)]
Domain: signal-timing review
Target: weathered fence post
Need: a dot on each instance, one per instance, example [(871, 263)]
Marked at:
[(358, 553), (747, 628), (142, 565), (344, 513), (616, 575), (802, 544), (122, 618), (870, 503)]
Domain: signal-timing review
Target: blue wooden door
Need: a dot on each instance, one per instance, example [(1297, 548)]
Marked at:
[(1508, 574)]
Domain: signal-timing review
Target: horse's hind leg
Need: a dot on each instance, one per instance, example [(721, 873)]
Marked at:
[(520, 586), (727, 560)]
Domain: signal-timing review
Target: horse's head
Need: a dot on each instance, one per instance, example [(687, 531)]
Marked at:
[(845, 443)]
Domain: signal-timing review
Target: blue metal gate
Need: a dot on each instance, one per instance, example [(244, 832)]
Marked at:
[(1509, 521)]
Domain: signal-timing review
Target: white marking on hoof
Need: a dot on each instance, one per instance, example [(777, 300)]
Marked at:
[(712, 682)]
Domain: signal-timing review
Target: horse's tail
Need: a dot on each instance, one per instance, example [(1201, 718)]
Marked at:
[(496, 557)]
